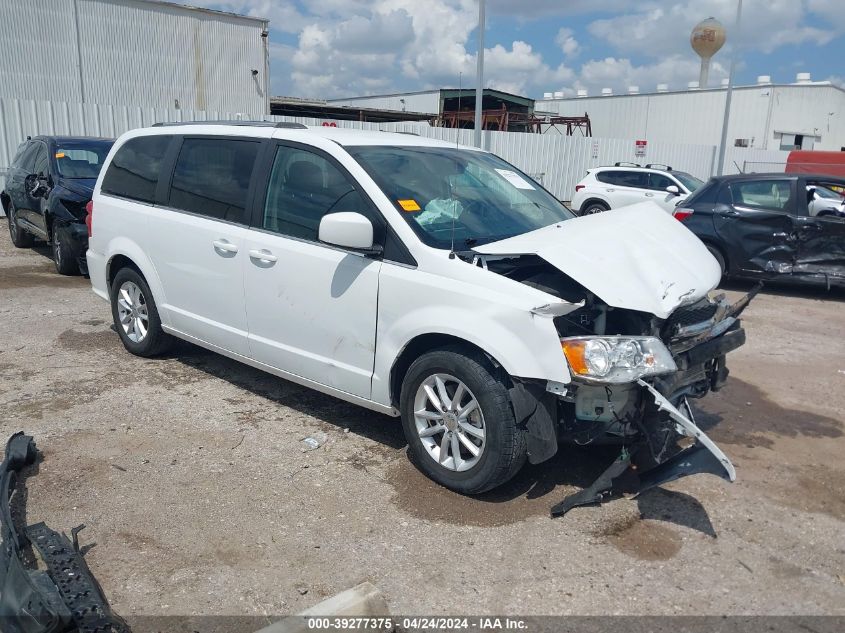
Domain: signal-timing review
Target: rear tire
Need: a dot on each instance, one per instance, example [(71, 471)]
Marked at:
[(594, 207), (499, 445), (63, 255), (20, 238), (136, 316)]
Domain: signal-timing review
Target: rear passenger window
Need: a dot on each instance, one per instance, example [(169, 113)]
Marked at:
[(623, 178), (134, 170), (212, 176)]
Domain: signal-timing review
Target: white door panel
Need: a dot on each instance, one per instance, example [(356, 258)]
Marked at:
[(312, 310), (200, 263)]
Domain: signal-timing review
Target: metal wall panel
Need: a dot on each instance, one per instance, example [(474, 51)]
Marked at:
[(557, 162), (132, 52), (695, 116)]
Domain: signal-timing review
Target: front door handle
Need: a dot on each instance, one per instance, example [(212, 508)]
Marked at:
[(649, 195), (225, 246), (263, 255)]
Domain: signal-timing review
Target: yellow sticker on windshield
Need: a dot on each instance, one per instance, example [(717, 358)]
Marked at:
[(60, 154), (409, 205)]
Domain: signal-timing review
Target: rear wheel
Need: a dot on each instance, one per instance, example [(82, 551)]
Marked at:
[(594, 207), (63, 255), (458, 420), (20, 238), (136, 316)]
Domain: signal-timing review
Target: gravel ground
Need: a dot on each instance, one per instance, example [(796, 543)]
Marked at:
[(192, 478)]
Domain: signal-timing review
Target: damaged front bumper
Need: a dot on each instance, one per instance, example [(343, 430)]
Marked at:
[(65, 596), (657, 410), (703, 456)]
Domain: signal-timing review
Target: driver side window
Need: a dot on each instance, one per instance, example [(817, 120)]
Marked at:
[(41, 162), (305, 186)]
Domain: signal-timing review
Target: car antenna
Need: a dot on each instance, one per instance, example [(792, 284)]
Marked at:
[(457, 145)]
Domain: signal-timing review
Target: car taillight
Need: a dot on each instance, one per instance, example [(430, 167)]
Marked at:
[(89, 215), (579, 188), (682, 213)]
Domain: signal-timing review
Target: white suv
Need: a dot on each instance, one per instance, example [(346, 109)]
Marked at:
[(624, 184), (417, 279)]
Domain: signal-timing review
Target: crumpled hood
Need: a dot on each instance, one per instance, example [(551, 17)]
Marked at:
[(636, 257), (81, 187)]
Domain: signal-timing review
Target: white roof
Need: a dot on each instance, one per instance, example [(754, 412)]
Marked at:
[(349, 136), (341, 136)]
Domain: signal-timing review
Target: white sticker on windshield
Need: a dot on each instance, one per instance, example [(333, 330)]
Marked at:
[(515, 179)]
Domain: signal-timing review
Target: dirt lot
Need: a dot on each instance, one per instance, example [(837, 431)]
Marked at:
[(192, 478)]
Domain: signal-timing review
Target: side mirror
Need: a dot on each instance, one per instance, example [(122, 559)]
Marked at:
[(36, 185), (348, 230), (673, 189)]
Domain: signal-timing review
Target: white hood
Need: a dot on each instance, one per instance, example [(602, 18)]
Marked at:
[(637, 257)]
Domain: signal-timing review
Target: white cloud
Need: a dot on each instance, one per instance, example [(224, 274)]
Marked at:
[(661, 28), (566, 40), (619, 73), (353, 47)]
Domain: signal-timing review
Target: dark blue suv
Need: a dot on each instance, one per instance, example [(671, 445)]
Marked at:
[(47, 187)]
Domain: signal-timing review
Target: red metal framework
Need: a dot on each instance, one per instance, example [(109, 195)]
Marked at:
[(503, 120)]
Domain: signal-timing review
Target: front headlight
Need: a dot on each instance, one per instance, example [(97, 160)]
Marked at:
[(616, 359)]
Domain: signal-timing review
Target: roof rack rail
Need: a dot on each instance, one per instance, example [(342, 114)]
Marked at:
[(624, 164), (658, 166), (279, 124)]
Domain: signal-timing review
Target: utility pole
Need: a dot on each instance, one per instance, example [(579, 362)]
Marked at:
[(479, 76), (720, 166)]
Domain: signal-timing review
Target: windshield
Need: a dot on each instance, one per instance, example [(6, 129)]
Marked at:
[(687, 180), (81, 159), (479, 195), (824, 192)]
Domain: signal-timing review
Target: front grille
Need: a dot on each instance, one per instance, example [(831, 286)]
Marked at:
[(688, 315)]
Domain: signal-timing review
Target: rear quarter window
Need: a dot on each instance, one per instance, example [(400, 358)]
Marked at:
[(134, 170)]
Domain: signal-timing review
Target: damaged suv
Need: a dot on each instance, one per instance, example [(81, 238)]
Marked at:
[(420, 280)]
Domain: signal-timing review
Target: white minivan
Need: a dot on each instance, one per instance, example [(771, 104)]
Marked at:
[(422, 280)]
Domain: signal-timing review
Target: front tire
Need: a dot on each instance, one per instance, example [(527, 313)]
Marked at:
[(63, 255), (136, 316), (459, 423), (20, 238)]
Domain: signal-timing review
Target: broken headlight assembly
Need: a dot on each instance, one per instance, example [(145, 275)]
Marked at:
[(616, 359)]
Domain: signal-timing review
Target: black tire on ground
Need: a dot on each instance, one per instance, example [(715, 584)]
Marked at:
[(717, 254), (594, 207), (20, 238), (504, 451), (63, 255), (155, 341)]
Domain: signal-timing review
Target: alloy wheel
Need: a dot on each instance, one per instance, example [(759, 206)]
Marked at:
[(132, 311), (450, 423)]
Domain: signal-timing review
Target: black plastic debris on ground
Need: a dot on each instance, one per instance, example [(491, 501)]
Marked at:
[(65, 597)]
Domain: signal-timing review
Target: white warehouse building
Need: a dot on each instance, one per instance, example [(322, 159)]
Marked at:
[(803, 115), (133, 52)]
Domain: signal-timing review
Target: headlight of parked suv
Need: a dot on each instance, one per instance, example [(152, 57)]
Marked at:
[(616, 359)]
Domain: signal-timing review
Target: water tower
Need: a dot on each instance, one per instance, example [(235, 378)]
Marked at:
[(707, 37)]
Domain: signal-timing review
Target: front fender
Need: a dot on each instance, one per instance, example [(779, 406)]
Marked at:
[(525, 344)]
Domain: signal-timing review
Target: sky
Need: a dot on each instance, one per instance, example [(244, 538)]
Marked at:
[(340, 48)]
